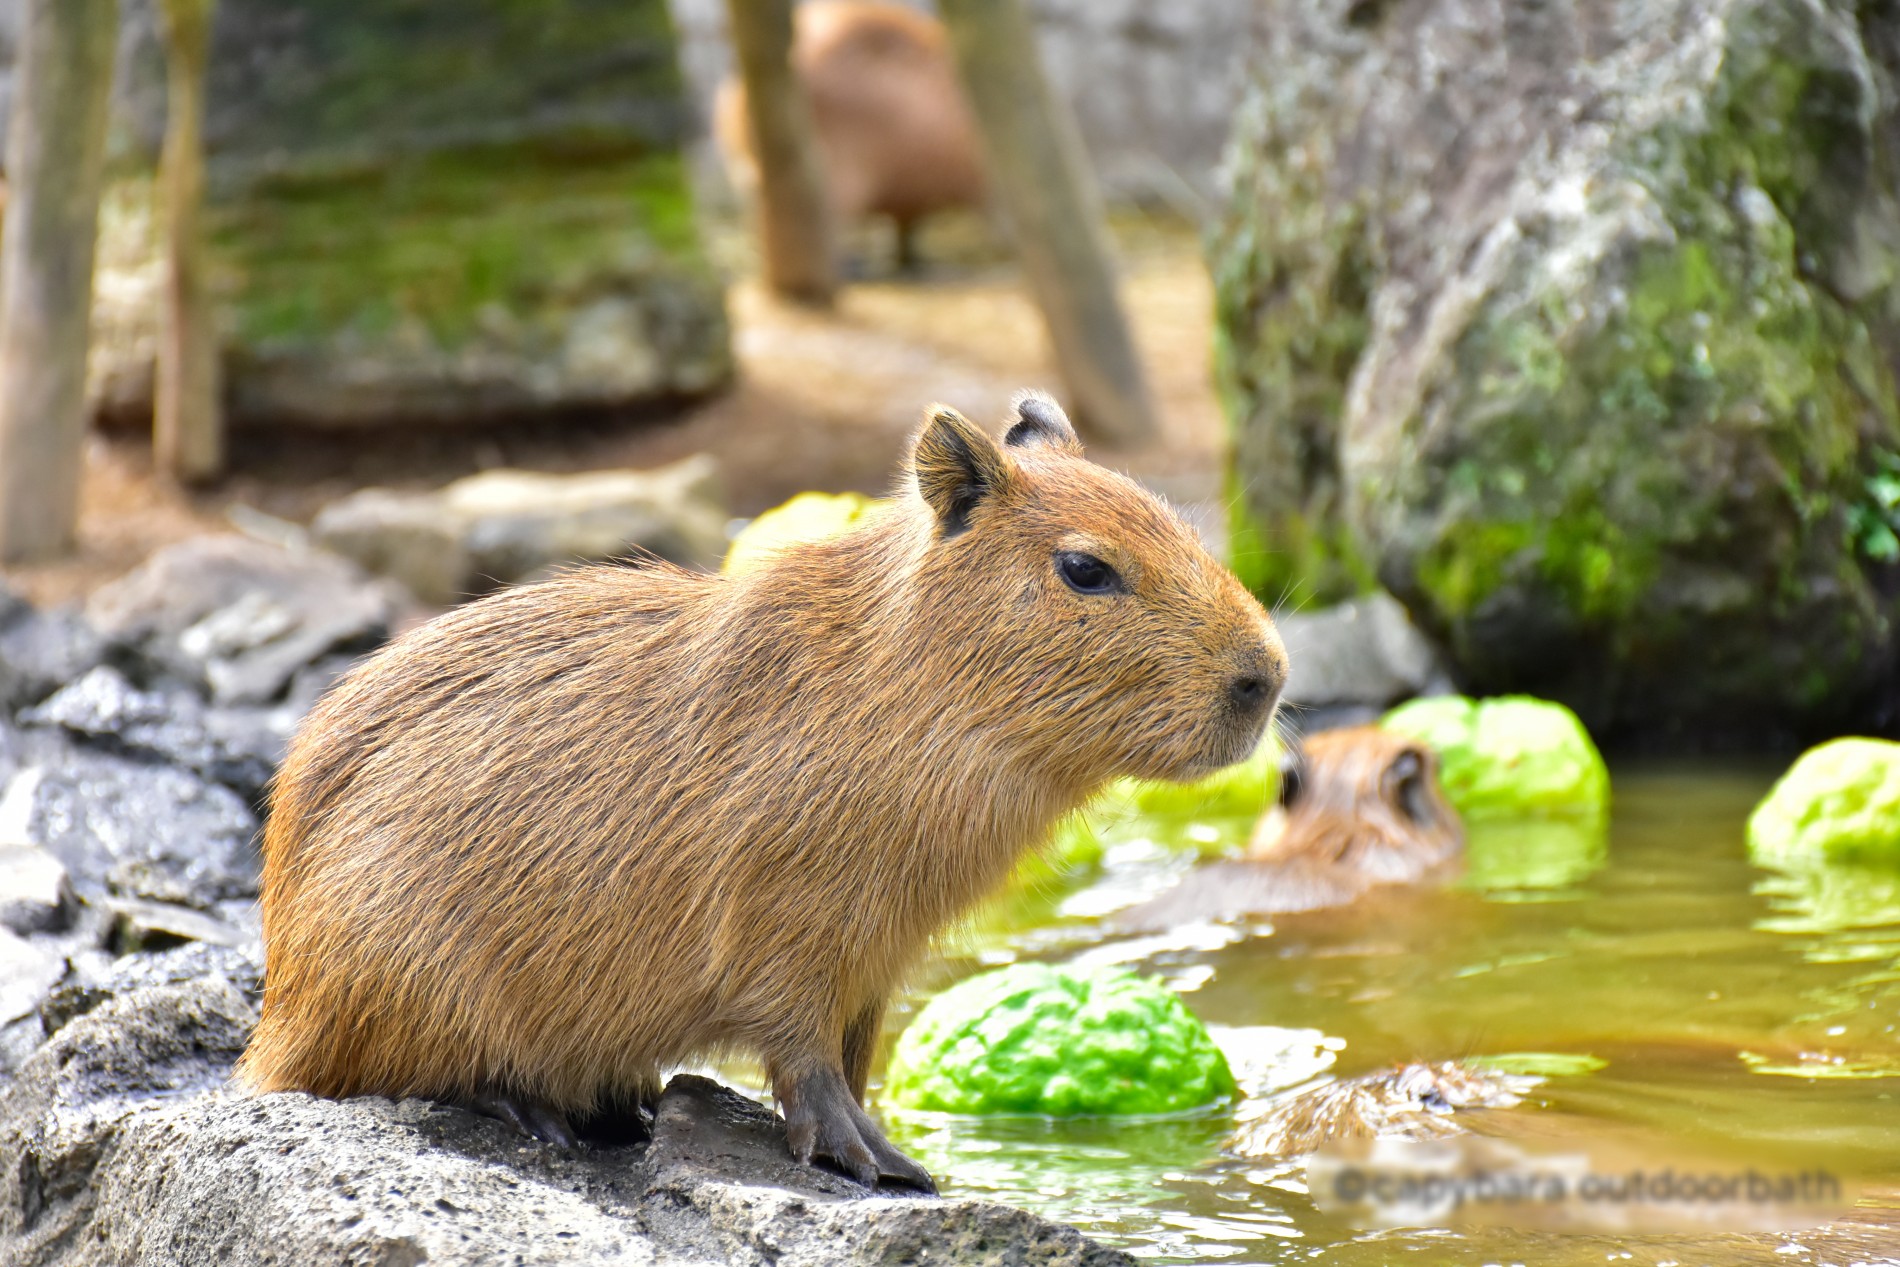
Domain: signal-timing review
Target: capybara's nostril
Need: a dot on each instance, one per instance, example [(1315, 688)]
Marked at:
[(1250, 693)]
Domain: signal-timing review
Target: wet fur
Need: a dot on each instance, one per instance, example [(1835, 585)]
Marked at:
[(1368, 812), (558, 840)]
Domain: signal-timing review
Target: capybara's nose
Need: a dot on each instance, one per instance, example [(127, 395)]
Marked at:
[(1252, 692)]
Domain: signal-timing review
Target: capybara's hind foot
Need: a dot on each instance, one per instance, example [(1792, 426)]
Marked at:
[(530, 1117), (822, 1119)]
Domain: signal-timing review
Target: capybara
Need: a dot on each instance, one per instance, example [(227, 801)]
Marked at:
[(538, 850), (894, 131), (1359, 807)]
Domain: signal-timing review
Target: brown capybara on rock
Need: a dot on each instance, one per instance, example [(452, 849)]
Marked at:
[(894, 131), (538, 850), (1359, 808)]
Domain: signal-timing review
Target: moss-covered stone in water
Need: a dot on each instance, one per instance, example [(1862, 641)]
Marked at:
[(1058, 1041), (1839, 802), (1511, 756), (1602, 396), (806, 517)]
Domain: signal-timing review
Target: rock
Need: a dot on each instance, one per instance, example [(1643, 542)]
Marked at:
[(239, 748), (35, 896), (133, 830), (95, 977), (42, 650), (422, 218), (505, 526), (1839, 803), (27, 971), (239, 618), (121, 1143), (1411, 1102), (142, 926), (1364, 651), (1574, 326)]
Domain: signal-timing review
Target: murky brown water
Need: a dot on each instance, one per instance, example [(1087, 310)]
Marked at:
[(1737, 1014)]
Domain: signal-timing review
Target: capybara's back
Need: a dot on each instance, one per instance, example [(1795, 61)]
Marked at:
[(540, 849), (894, 129)]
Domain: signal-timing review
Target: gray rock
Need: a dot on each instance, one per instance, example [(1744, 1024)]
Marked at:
[(239, 618), (239, 748), (129, 829), (506, 526), (1573, 326), (1365, 651), (28, 970), (120, 1142), (94, 977), (42, 650), (35, 896), (141, 926)]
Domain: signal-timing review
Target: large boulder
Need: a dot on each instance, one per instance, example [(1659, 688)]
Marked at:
[(1575, 326), (422, 213), (120, 1142)]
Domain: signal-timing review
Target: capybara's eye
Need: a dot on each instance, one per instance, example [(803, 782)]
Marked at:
[(1086, 574)]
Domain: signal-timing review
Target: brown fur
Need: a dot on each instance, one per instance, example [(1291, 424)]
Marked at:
[(895, 133), (1360, 808), (555, 841)]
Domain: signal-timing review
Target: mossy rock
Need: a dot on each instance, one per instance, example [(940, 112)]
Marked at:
[(1509, 757), (425, 214), (1619, 430), (1060, 1042), (806, 517), (1839, 802)]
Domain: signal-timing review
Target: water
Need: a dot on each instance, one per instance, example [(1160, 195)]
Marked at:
[(1735, 1013)]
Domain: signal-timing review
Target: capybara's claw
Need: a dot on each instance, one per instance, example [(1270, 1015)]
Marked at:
[(530, 1117), (823, 1120)]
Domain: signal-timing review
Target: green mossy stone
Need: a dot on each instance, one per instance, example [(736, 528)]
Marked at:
[(1509, 756), (1057, 1041), (1838, 802), (806, 517)]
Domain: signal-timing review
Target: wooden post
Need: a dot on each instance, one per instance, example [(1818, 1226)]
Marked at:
[(795, 232), (188, 436), (1049, 193), (55, 166)]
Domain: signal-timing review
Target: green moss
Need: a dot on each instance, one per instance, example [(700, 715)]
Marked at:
[(441, 245)]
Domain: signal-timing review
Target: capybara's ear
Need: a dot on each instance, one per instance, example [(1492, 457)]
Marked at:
[(956, 466), (1035, 418)]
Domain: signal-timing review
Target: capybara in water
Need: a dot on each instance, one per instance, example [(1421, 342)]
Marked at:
[(536, 851), (895, 133), (1359, 807)]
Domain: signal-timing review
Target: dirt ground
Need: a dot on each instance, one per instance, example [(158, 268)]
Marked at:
[(822, 400)]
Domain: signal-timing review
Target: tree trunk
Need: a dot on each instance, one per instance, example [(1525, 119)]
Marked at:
[(795, 232), (55, 160), (1048, 192), (188, 438)]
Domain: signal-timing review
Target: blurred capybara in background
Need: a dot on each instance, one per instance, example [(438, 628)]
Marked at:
[(894, 130), (1359, 807)]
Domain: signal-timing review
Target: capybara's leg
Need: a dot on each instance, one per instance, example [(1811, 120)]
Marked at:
[(823, 1120), (530, 1117), (860, 1041)]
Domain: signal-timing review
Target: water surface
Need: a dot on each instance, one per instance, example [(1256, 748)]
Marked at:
[(1736, 1013)]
